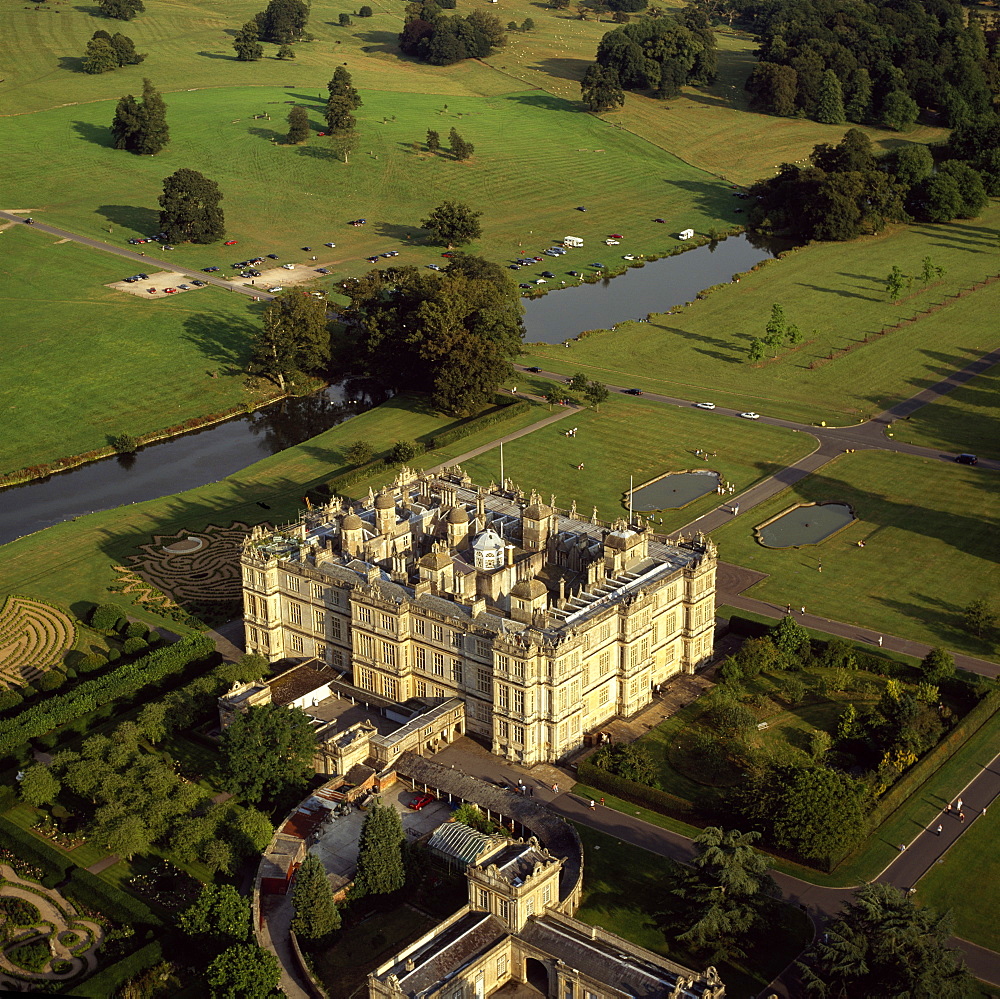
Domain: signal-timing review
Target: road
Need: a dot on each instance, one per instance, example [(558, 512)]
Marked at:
[(162, 261)]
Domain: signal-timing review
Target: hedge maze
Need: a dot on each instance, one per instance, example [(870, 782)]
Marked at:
[(187, 571), (33, 637)]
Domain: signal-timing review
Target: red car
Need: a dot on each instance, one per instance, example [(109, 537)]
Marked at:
[(616, 235), (169, 291), (421, 801), (230, 242), (152, 291)]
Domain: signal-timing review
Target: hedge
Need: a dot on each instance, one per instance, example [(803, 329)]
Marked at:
[(33, 851), (639, 794), (96, 893), (85, 697), (932, 761), (107, 981)]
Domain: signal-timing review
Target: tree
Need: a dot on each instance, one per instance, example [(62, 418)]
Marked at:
[(365, 11), (895, 283), (774, 331), (899, 111), (595, 393), (190, 209), (252, 830), (433, 140), (295, 337), (972, 194), (788, 636), (600, 88), (286, 52), (283, 21), (629, 761), (245, 971), (247, 44), (249, 668), (460, 149), (937, 665), (338, 114), (819, 813), (218, 918), (100, 57), (127, 123), (882, 944), (267, 751), (847, 725), (342, 85), (359, 453), (578, 382), (154, 134), (344, 19), (380, 853), (125, 51), (121, 10), (830, 103), (453, 223), (344, 143), (979, 617), (402, 452), (298, 125), (39, 786), (755, 352), (316, 913), (528, 24), (120, 831), (725, 893)]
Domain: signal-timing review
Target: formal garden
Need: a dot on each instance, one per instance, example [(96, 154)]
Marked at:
[(813, 745)]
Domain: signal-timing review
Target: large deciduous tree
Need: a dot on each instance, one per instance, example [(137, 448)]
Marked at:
[(39, 786), (267, 751), (295, 337), (190, 210), (140, 127), (453, 335), (454, 223), (245, 971), (283, 21), (882, 944), (100, 56), (600, 88), (380, 853), (218, 918), (725, 892), (247, 43), (121, 10), (298, 125), (316, 913)]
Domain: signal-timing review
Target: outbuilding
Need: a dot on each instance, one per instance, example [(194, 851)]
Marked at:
[(573, 242), (686, 234)]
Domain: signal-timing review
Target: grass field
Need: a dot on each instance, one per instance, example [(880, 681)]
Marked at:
[(644, 440), (82, 362), (964, 882), (930, 548), (627, 891), (71, 563), (834, 293), (537, 158), (964, 420)]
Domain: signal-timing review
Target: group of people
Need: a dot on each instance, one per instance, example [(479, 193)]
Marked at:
[(570, 433), (958, 810)]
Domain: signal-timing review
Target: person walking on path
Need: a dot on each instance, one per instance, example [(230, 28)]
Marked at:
[(602, 802), (961, 817), (788, 608), (803, 610), (593, 804), (902, 848), (939, 829), (555, 788), (958, 805), (880, 641)]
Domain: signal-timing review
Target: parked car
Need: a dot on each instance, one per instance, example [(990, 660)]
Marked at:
[(331, 245), (395, 253), (184, 287), (199, 284), (580, 208), (421, 801), (373, 260), (966, 459), (307, 249), (533, 370), (169, 291), (628, 256), (275, 289), (548, 274), (230, 242), (661, 221), (272, 256), (131, 280), (288, 267), (705, 405), (210, 270), (322, 270), (750, 415), (152, 291), (433, 267), (597, 265), (616, 235), (29, 221), (142, 277), (633, 391)]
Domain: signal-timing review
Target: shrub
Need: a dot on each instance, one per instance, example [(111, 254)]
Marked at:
[(107, 617), (50, 680), (132, 645), (286, 52), (344, 20), (365, 12), (153, 637), (136, 629), (92, 661), (9, 699), (125, 444), (403, 451)]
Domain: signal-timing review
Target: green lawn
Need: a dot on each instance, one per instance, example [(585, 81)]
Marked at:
[(964, 420), (834, 293), (278, 198), (71, 563), (642, 439), (930, 548), (82, 362), (966, 881), (627, 890)]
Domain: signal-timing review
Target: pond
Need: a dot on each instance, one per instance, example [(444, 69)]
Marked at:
[(656, 287), (805, 524), (674, 490), (179, 463)]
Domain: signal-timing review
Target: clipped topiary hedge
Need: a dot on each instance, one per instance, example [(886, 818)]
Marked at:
[(109, 980), (639, 794), (34, 851), (96, 893)]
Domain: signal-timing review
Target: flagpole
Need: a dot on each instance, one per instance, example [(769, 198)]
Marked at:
[(502, 479), (630, 499)]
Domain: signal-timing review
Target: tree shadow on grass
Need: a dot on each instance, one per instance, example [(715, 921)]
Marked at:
[(73, 64), (382, 41), (547, 102), (842, 292), (267, 133), (100, 135), (563, 69), (224, 340), (317, 100), (318, 153), (725, 350), (405, 233), (218, 55), (143, 220)]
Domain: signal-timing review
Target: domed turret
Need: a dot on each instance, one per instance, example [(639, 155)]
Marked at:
[(488, 548), (385, 512), (526, 597), (458, 527)]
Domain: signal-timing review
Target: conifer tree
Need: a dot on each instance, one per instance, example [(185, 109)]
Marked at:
[(380, 853), (298, 125), (154, 134), (433, 140), (342, 86), (830, 103), (316, 912)]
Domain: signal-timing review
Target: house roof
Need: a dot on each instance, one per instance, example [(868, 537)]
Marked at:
[(297, 682), (460, 842)]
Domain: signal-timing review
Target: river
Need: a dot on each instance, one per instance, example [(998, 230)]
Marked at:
[(211, 454)]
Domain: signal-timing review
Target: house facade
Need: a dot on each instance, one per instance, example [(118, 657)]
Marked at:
[(546, 624)]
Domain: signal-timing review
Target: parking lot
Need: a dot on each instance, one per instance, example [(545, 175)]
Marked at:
[(337, 845), (155, 285)]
